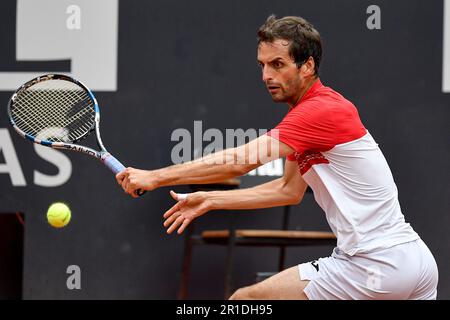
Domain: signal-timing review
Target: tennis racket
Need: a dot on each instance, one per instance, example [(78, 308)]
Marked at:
[(56, 111)]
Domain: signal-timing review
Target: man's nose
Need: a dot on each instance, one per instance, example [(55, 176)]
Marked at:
[(266, 74)]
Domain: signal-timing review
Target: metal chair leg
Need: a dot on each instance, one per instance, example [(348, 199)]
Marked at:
[(285, 225), (230, 257), (186, 269), (281, 258)]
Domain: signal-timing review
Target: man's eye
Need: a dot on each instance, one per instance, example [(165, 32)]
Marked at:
[(277, 64)]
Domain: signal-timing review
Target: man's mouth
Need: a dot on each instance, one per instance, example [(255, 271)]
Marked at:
[(273, 88)]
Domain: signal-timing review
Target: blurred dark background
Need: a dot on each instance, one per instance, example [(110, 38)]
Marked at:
[(178, 62)]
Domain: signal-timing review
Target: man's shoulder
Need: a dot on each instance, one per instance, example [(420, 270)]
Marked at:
[(329, 93), (325, 99)]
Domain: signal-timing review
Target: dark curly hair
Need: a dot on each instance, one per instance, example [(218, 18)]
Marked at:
[(304, 40)]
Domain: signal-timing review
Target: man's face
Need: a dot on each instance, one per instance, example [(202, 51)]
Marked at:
[(280, 74)]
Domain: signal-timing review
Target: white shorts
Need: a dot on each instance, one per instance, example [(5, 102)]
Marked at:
[(405, 271)]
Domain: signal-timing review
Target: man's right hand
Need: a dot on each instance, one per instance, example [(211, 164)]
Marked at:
[(132, 179)]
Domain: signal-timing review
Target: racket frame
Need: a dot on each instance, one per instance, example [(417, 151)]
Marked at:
[(102, 155)]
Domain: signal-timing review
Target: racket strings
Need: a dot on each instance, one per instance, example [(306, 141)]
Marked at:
[(55, 110), (50, 105), (44, 120)]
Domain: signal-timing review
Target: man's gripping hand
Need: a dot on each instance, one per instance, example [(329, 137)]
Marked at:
[(132, 179)]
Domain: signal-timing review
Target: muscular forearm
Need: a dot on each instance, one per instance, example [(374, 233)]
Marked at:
[(283, 191), (271, 194), (215, 167)]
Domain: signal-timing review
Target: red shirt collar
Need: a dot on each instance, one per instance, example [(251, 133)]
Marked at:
[(311, 91)]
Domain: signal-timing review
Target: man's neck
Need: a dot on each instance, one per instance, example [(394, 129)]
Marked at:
[(305, 89)]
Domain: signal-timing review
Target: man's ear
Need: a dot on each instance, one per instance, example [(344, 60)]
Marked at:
[(307, 68)]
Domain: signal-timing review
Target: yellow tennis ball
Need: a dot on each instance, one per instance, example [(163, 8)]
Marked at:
[(58, 215)]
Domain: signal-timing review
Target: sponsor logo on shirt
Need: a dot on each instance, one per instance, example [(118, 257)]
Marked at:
[(308, 158), (315, 264)]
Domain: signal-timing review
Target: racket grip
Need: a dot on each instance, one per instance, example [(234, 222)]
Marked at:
[(116, 166), (113, 164)]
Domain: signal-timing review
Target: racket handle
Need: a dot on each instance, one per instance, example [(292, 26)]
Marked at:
[(116, 166), (113, 164)]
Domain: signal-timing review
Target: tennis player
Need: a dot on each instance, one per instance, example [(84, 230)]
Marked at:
[(378, 254)]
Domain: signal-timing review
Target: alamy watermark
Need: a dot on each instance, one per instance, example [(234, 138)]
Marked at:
[(373, 22), (239, 146), (374, 275), (73, 21), (73, 281)]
